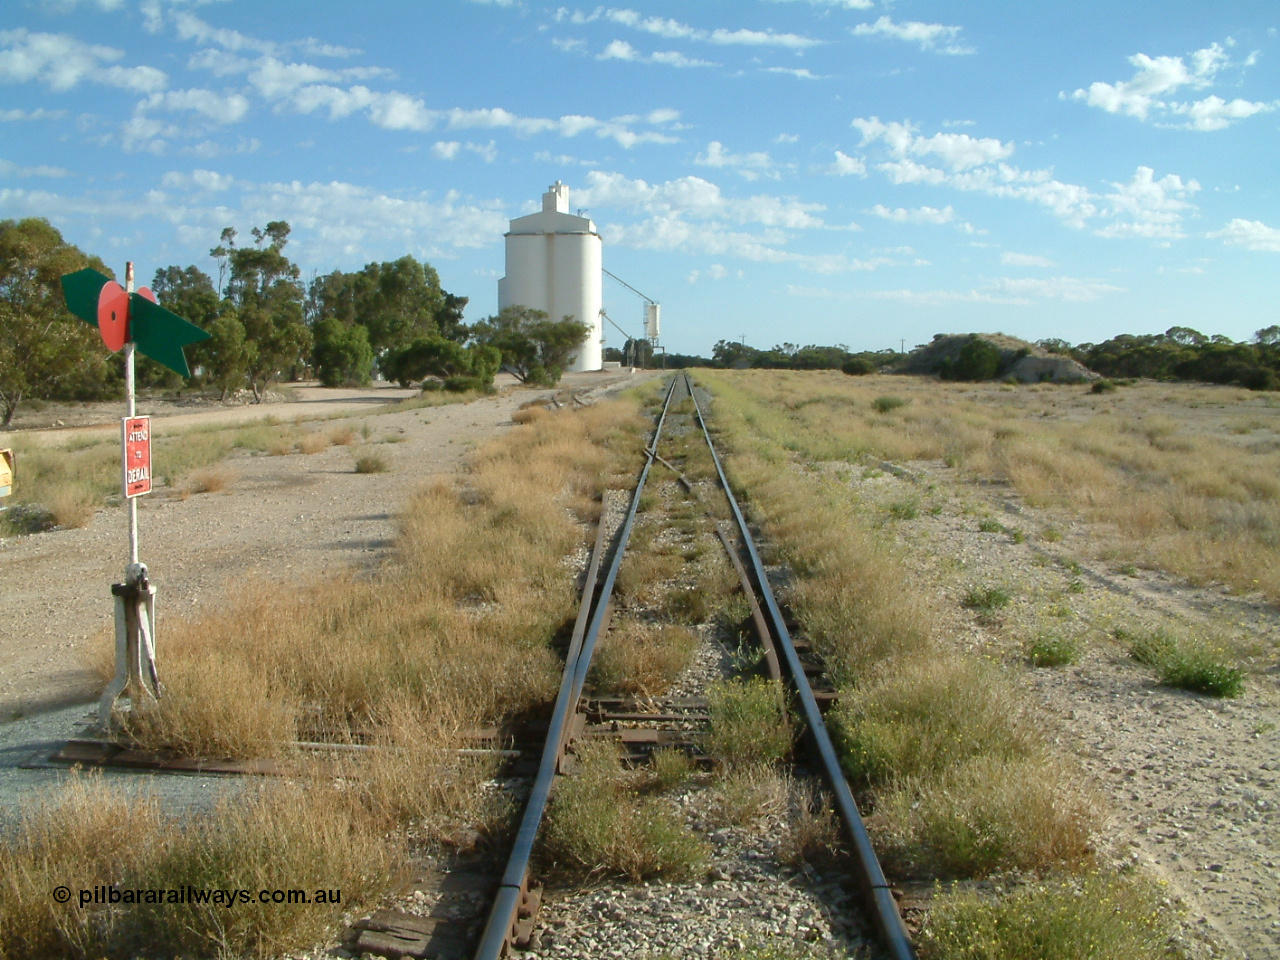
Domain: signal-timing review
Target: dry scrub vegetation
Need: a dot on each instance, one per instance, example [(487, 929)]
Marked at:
[(451, 635), (1187, 480), (950, 761)]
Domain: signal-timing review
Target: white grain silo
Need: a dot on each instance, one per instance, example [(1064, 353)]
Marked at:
[(553, 265)]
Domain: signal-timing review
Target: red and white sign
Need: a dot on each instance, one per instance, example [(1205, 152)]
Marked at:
[(136, 433)]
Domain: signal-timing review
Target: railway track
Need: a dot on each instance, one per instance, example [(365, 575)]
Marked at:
[(485, 909)]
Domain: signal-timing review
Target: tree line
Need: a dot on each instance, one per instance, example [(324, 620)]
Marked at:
[(1181, 353), (266, 325)]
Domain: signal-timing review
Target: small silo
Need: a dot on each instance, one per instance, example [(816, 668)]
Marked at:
[(553, 265)]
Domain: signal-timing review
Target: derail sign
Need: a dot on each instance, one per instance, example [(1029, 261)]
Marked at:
[(137, 455)]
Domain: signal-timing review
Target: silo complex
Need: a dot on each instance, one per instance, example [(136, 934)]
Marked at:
[(553, 265)]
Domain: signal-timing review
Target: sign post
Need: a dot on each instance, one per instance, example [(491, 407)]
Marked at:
[(131, 320)]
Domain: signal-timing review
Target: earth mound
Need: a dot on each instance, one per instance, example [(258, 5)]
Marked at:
[(1015, 359)]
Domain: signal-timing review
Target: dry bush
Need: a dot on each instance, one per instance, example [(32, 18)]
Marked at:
[(985, 815), (343, 436), (314, 442), (279, 836), (530, 414), (212, 479), (372, 463), (642, 658), (744, 794), (72, 506), (811, 833)]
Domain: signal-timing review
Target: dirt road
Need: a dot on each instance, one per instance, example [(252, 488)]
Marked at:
[(292, 517)]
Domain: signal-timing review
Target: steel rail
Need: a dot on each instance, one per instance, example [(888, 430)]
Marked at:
[(506, 904), (874, 887)]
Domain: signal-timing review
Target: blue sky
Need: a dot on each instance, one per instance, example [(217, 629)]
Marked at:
[(861, 172)]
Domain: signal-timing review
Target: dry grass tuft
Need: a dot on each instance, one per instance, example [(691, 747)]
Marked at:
[(531, 414), (314, 442), (343, 436), (985, 815), (597, 825), (72, 507), (642, 658), (372, 463), (212, 479)]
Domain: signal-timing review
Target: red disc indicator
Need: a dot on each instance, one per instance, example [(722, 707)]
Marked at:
[(146, 292), (113, 315)]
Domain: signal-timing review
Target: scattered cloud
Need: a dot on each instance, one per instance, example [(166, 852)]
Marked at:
[(919, 215), (751, 166), (841, 4), (18, 115), (1143, 207), (929, 36), (670, 29), (621, 50), (799, 73), (62, 63), (1250, 234), (959, 151), (10, 169), (1147, 95), (1024, 260), (845, 166)]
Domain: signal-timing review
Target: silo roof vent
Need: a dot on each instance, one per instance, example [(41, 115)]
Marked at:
[(556, 199)]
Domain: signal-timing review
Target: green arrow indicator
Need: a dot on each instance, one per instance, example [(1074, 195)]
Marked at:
[(157, 333), (81, 290), (161, 335)]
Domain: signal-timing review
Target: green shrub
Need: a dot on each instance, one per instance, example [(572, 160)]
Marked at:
[(1102, 386), (749, 723), (597, 824), (1185, 663), (978, 360), (857, 367), (904, 510), (987, 600), (926, 714), (885, 404), (372, 463), (1097, 917), (989, 525), (1053, 650)]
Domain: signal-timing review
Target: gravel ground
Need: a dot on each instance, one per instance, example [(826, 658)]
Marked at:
[(1192, 783), (293, 517)]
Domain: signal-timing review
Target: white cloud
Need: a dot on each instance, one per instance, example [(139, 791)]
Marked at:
[(1024, 260), (621, 50), (1214, 113), (698, 199), (845, 166), (843, 4), (751, 166), (930, 36), (675, 30), (18, 115), (959, 151), (220, 108), (786, 138), (1250, 234), (446, 149), (10, 169), (918, 215), (1147, 207), (1143, 207), (1147, 92), (63, 62), (1073, 289), (800, 73)]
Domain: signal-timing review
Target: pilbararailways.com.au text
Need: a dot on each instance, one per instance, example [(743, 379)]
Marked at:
[(197, 896)]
